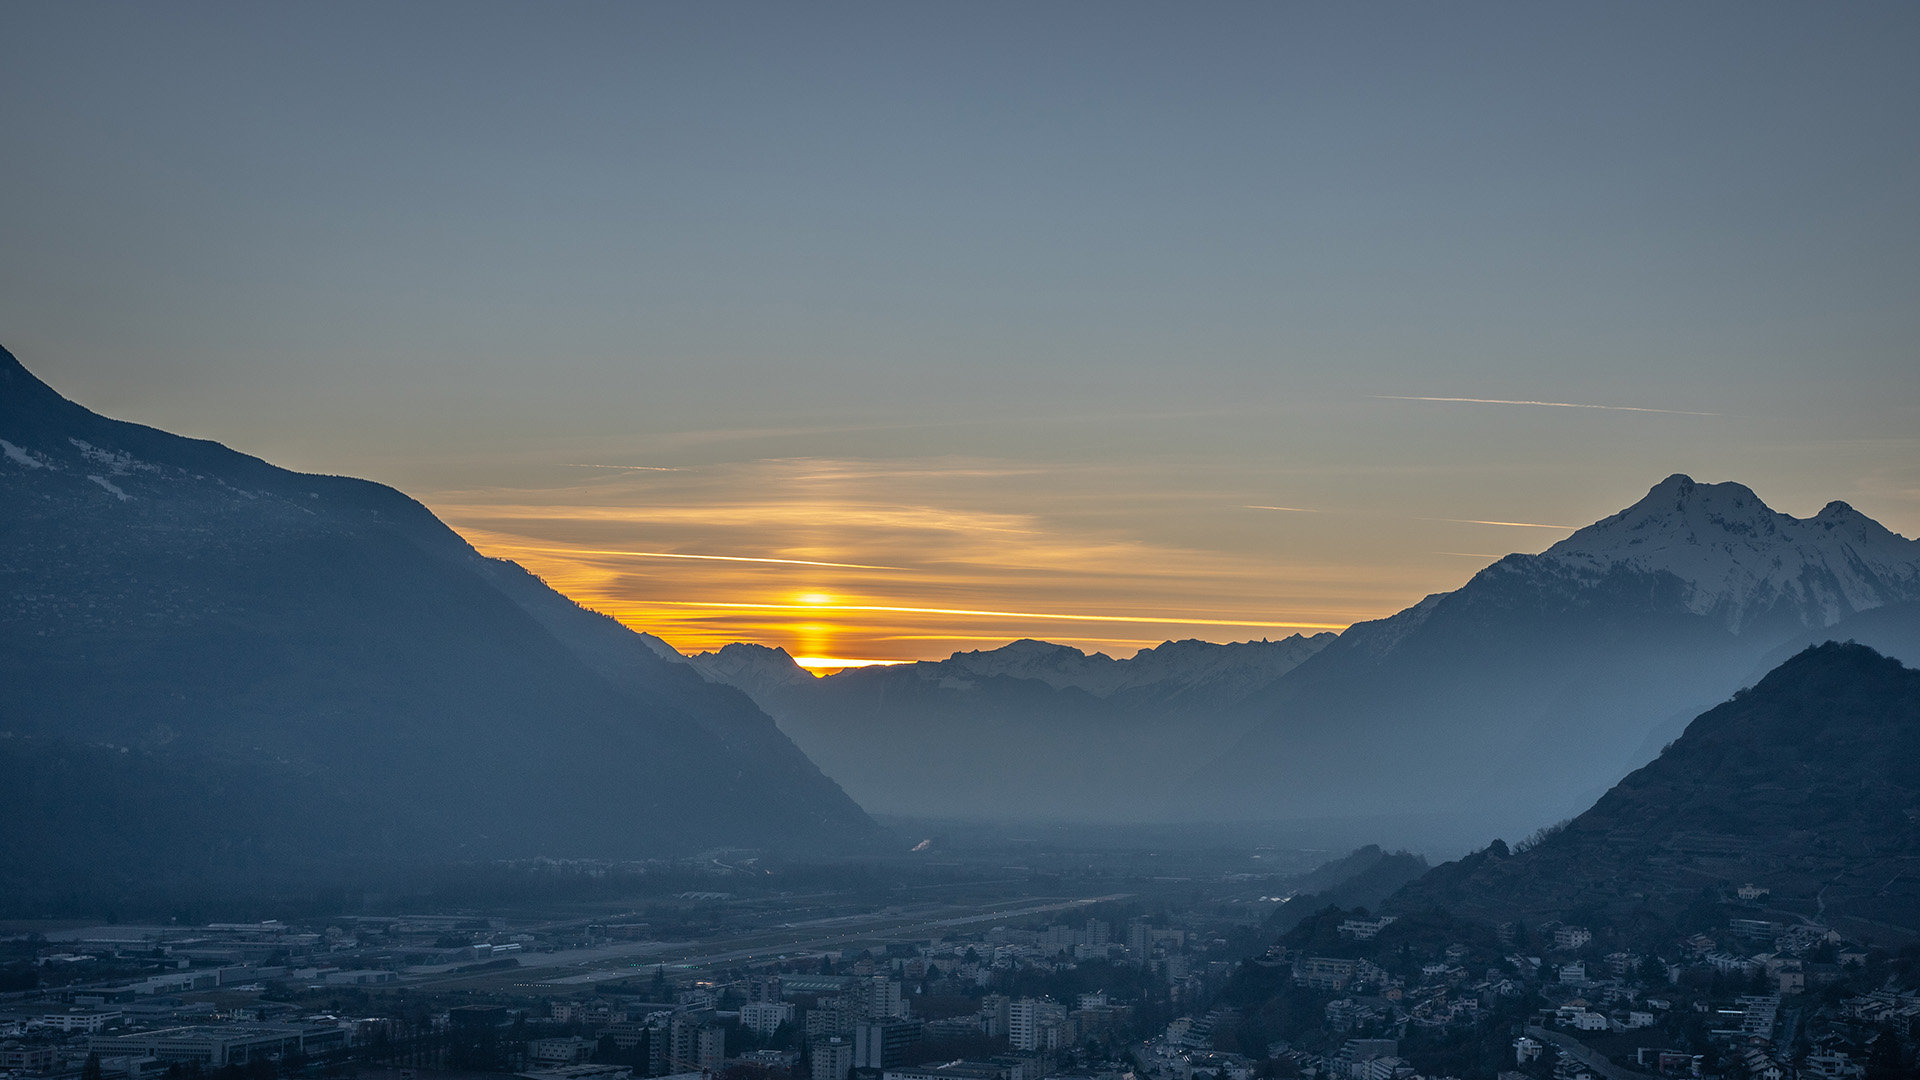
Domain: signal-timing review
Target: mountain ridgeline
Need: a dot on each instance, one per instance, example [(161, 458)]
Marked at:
[(1806, 786), (1519, 698), (1030, 730), (213, 668), (1510, 702)]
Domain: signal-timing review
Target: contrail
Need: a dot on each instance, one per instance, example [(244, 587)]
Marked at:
[(1173, 621), (1288, 509), (1514, 524), (630, 468), (1544, 404), (713, 558)]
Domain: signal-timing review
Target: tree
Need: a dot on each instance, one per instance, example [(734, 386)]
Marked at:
[(1652, 971), (1884, 1059)]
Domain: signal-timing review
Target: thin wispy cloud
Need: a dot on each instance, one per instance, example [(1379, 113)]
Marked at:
[(712, 558), (1509, 524), (1470, 554), (1542, 404), (627, 468), (1288, 509), (1175, 620)]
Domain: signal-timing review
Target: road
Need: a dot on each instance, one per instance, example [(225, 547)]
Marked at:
[(541, 972), (1585, 1055)]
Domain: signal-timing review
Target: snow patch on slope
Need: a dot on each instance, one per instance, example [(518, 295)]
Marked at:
[(27, 458), (117, 462), (1741, 560), (112, 488)]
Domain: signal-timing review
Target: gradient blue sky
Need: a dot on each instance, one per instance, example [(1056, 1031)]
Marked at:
[(1025, 303)]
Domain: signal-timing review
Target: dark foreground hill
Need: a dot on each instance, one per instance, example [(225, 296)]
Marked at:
[(212, 667), (1807, 785), (1361, 879)]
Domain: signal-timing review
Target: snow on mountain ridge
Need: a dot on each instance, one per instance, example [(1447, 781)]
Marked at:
[(752, 669), (1740, 559), (1171, 665)]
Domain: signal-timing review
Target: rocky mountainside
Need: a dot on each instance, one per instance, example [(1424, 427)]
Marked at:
[(1520, 697), (1806, 785), (1031, 729), (299, 670)]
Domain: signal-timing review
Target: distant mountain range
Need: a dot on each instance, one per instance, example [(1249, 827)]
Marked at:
[(1807, 786), (1520, 697), (1508, 703), (210, 666), (1032, 729)]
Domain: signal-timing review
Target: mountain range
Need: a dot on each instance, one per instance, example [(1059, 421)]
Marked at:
[(1519, 698), (1509, 703), (1806, 786), (1029, 730), (212, 667)]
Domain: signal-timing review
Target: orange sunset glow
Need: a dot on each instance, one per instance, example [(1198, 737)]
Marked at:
[(843, 564)]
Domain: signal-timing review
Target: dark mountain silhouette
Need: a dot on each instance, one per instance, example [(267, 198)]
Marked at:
[(298, 670), (1807, 785), (1517, 699), (1361, 879), (1030, 730)]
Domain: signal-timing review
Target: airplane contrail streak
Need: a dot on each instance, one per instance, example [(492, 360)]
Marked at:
[(1513, 524), (713, 558), (1543, 404)]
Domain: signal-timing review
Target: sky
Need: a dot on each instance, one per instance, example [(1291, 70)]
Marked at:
[(880, 331)]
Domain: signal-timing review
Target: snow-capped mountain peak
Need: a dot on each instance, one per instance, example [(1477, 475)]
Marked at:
[(1740, 560), (755, 669)]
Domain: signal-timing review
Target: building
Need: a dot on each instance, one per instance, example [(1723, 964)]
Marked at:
[(215, 1046), (362, 977), (695, 1045), (86, 1020), (578, 1072), (1571, 937), (827, 1019), (832, 1059), (572, 1050), (26, 1057), (885, 1044), (1035, 1024), (1323, 973), (763, 1018), (1384, 1067), (882, 998), (1365, 929), (995, 1009)]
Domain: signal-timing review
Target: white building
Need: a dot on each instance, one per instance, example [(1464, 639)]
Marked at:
[(763, 1018), (832, 1059), (1034, 1024), (1571, 937)]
